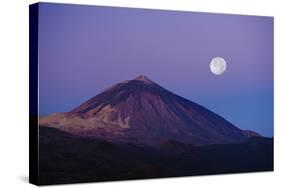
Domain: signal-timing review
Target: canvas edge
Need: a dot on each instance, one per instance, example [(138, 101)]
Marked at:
[(33, 94)]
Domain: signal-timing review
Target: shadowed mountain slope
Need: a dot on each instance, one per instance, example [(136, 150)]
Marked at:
[(142, 112)]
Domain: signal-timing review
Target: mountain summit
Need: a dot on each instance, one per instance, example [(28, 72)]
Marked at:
[(141, 111), (144, 79)]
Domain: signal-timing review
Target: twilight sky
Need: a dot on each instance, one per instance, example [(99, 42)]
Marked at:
[(85, 49)]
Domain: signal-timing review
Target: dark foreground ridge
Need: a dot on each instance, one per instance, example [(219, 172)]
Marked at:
[(67, 158)]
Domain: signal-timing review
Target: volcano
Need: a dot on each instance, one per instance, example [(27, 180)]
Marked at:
[(140, 111)]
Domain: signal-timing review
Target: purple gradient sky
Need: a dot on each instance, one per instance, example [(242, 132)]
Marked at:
[(85, 49)]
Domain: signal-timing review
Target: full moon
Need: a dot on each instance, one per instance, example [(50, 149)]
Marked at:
[(218, 66)]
